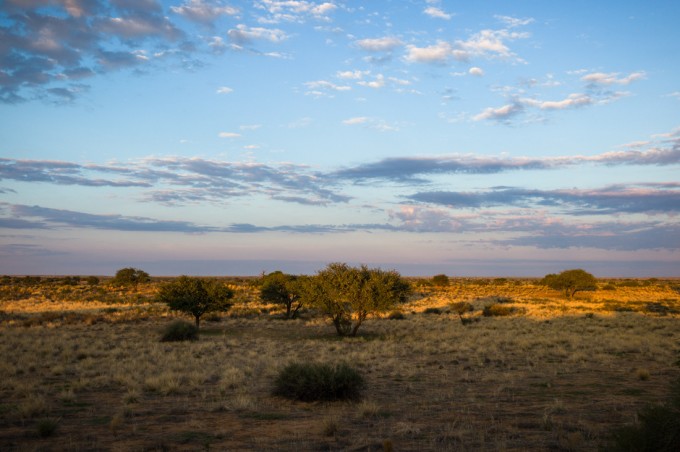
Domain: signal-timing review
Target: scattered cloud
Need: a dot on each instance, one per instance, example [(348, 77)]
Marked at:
[(650, 199), (501, 114), (371, 123), (203, 12), (224, 90), (244, 34), (294, 10), (384, 44), (612, 78)]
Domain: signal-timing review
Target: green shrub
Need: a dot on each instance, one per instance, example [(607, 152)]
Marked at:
[(180, 330), (46, 427), (658, 429), (396, 315), (317, 381), (497, 310)]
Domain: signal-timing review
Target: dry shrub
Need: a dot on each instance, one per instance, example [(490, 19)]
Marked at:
[(497, 310)]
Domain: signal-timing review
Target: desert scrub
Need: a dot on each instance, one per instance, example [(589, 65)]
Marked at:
[(317, 381), (180, 330), (497, 310)]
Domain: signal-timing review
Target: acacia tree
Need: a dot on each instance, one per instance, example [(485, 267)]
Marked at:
[(130, 276), (283, 289), (571, 281), (347, 295), (195, 296)]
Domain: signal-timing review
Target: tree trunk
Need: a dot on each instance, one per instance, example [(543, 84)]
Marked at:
[(198, 321)]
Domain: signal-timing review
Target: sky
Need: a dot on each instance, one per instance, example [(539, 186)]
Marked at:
[(204, 137)]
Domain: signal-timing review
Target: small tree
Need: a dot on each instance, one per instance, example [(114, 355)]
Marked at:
[(440, 280), (347, 295), (130, 277), (571, 281), (195, 296), (283, 289)]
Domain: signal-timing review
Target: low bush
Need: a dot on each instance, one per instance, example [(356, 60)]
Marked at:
[(310, 382), (180, 330), (658, 428), (432, 311), (46, 427), (396, 315), (497, 310)]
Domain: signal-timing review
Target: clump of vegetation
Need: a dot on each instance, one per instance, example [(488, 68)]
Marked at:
[(436, 311), (180, 330), (571, 281), (283, 289), (47, 427), (348, 295), (497, 310), (440, 280), (92, 280), (658, 428), (130, 276), (310, 382), (460, 308), (195, 296), (396, 315)]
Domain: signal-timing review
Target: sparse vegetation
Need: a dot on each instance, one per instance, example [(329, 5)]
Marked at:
[(553, 375), (657, 429)]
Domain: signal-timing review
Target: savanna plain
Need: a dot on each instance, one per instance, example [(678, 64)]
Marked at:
[(83, 368)]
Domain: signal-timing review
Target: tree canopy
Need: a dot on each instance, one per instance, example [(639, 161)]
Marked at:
[(130, 276), (347, 295), (280, 288), (571, 281), (195, 296)]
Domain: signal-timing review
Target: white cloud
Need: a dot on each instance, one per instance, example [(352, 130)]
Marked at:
[(490, 43), (229, 135), (476, 71), (571, 101), (437, 13), (437, 53), (384, 44), (500, 113), (612, 78), (294, 10), (513, 22), (224, 90), (356, 120), (352, 75), (243, 34), (675, 94), (324, 84)]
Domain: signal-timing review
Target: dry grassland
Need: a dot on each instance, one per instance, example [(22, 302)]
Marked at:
[(554, 375)]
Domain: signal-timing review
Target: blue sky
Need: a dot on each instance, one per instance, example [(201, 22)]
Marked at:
[(234, 137)]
